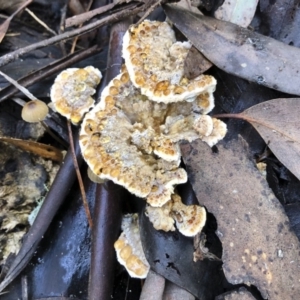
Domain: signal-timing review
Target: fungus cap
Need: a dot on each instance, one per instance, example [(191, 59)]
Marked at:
[(118, 140), (129, 248), (72, 90), (160, 217), (189, 219), (93, 177), (34, 111), (217, 134), (155, 63)]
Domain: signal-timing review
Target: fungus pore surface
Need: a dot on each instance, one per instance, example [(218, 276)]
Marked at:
[(155, 63), (134, 141), (72, 90), (129, 248)]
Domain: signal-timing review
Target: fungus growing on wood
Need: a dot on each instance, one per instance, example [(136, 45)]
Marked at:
[(134, 141), (190, 219), (217, 134), (34, 111), (129, 248), (155, 63), (72, 90), (118, 138)]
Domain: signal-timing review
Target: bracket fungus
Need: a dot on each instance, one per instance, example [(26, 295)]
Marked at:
[(129, 248), (189, 219), (133, 140), (72, 90), (155, 63), (118, 137)]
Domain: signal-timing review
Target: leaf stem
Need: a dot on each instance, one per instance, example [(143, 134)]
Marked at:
[(233, 116)]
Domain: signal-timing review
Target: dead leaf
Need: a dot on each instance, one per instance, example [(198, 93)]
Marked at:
[(11, 5), (188, 5), (195, 64), (240, 294), (42, 150), (241, 52), (277, 121), (239, 12), (4, 26), (259, 247)]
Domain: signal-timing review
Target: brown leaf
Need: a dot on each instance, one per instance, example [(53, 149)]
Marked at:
[(4, 26), (11, 5), (259, 247), (240, 51), (195, 64), (277, 121), (42, 150)]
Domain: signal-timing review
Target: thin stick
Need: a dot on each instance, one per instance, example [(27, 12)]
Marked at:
[(80, 25), (231, 116), (61, 29), (18, 86), (130, 10), (148, 12), (40, 21), (47, 71), (84, 200), (84, 17), (54, 136), (24, 284)]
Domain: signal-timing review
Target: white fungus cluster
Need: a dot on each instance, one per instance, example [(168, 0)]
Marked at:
[(132, 135)]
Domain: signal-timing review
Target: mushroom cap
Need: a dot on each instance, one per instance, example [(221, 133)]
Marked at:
[(155, 63), (129, 248), (72, 90), (34, 111)]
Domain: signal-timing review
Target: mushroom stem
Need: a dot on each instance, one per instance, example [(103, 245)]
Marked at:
[(57, 138)]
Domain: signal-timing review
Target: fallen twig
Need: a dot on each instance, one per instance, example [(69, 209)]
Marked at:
[(153, 287), (79, 19), (83, 195), (129, 10), (47, 71), (107, 216)]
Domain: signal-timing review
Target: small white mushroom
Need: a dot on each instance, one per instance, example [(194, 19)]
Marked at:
[(34, 111)]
